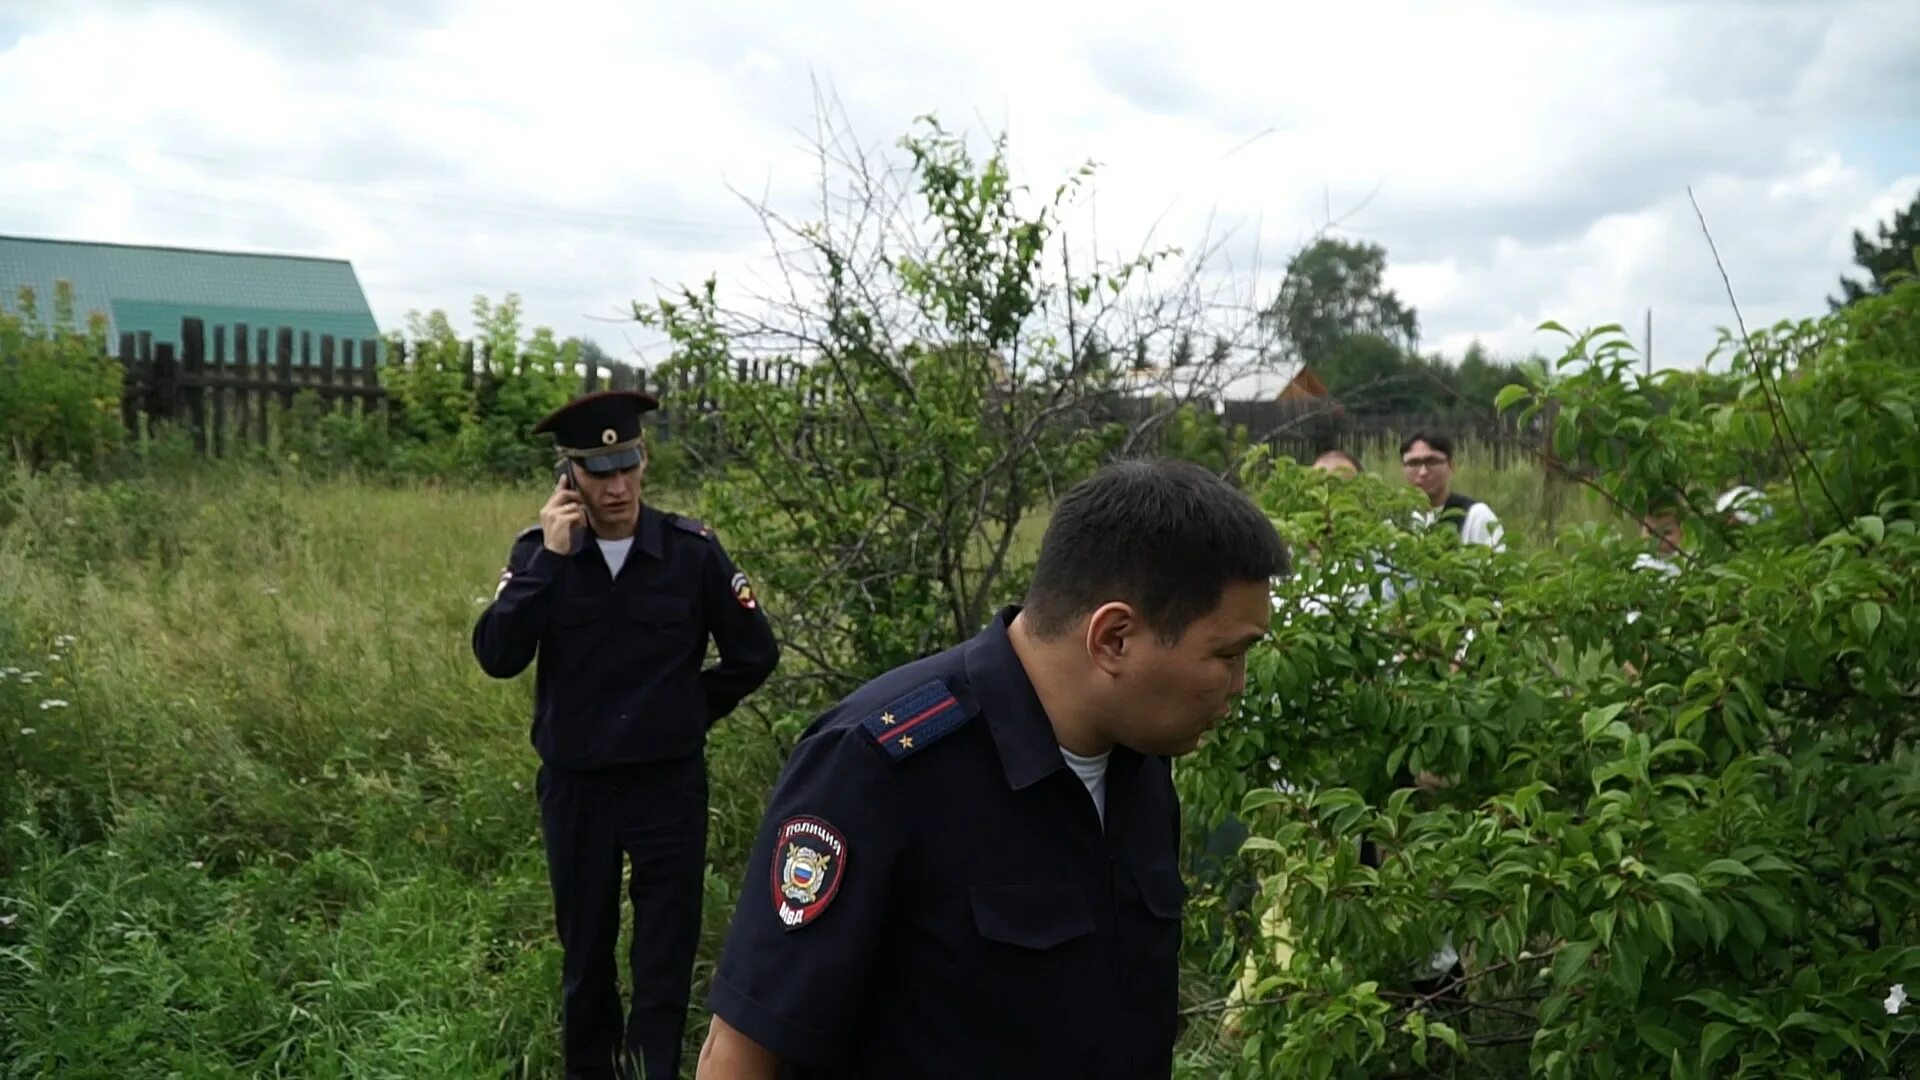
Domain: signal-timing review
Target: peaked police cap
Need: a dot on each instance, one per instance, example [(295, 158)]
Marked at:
[(600, 430)]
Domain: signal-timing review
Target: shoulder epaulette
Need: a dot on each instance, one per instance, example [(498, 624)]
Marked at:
[(692, 525), (916, 720), (529, 531)]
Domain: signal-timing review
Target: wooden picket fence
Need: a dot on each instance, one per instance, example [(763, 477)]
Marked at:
[(226, 395), (227, 385)]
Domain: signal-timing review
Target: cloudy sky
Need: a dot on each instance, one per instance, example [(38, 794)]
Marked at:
[(1519, 161)]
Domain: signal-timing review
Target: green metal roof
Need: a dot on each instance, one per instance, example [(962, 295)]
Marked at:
[(152, 288)]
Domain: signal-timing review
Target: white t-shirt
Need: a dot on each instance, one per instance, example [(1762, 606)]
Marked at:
[(1479, 525), (615, 552), (1092, 772)]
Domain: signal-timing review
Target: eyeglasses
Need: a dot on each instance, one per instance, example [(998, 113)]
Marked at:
[(1418, 463)]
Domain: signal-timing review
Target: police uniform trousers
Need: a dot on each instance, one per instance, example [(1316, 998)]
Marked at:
[(654, 814)]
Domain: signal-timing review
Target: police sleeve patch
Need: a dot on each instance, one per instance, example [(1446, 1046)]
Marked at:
[(743, 592), (809, 860), (912, 723)]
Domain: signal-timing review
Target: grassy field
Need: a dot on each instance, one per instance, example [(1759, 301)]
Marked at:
[(262, 814)]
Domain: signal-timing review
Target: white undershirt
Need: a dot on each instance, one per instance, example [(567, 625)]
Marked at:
[(1092, 772), (616, 553)]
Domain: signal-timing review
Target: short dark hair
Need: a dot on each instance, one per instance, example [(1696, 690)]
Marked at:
[(1434, 439), (1334, 451), (1165, 536)]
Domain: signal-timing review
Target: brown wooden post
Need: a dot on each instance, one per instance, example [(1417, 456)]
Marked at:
[(217, 375), (305, 378), (466, 380), (370, 375), (591, 380), (242, 372), (326, 372), (262, 373), (132, 386), (193, 362), (283, 357), (165, 400), (349, 381)]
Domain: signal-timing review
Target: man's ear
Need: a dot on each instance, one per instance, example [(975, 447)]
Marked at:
[(1109, 632)]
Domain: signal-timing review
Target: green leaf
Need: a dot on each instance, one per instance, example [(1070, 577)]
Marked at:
[(1676, 746), (1866, 616), (1718, 1002), (1596, 719), (1662, 921), (1684, 883), (1749, 924), (1258, 798), (1715, 1041), (1447, 1035), (1627, 966), (1873, 527), (1571, 959), (1728, 868), (1603, 922), (1774, 907), (1664, 1041), (1508, 396)]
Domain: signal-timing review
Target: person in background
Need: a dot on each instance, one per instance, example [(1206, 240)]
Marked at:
[(1339, 463), (1427, 459), (616, 601)]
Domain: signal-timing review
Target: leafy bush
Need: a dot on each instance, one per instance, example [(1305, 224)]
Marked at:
[(1668, 819), (59, 391)]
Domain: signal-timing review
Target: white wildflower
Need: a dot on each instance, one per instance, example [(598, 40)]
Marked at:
[(479, 599), (271, 590), (52, 703), (8, 920), (28, 730), (63, 641), (55, 657), (29, 676), (1896, 999), (516, 786), (195, 864)]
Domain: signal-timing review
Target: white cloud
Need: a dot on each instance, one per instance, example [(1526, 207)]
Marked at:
[(1519, 162)]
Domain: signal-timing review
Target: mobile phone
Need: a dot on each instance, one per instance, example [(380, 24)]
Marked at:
[(563, 473)]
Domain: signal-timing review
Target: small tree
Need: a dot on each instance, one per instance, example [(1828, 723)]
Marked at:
[(1895, 250), (938, 383), (59, 390)]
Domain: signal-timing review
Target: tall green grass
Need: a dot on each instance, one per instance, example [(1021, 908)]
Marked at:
[(263, 815)]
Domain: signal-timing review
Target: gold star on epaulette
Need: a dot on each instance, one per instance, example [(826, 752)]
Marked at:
[(907, 742), (886, 718)]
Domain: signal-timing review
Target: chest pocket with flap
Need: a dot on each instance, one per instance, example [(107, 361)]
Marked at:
[(1037, 915), (657, 612)]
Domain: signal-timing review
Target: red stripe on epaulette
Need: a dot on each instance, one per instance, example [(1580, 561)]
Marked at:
[(916, 720)]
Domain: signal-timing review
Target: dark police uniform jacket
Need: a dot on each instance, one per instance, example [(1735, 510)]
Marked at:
[(932, 893), (619, 679)]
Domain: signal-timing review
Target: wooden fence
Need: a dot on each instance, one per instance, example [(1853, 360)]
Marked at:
[(224, 383), (226, 394)]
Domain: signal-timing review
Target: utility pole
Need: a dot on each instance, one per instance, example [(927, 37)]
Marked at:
[(1648, 351)]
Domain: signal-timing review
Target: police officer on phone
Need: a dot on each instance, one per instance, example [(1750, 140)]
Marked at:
[(614, 601)]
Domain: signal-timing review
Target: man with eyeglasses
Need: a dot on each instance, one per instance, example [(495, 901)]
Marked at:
[(1428, 461)]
